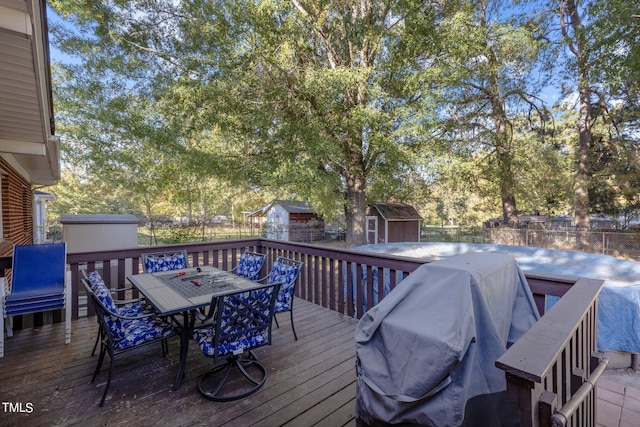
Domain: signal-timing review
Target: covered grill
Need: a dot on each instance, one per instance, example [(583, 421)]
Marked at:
[(426, 353)]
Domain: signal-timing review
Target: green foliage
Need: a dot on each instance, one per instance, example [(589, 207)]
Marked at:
[(203, 108), (76, 194)]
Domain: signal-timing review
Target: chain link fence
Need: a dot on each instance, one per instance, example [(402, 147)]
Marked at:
[(618, 244)]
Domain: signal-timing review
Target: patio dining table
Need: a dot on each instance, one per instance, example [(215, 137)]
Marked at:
[(178, 293)]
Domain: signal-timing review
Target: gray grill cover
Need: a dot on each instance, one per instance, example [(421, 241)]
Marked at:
[(431, 344)]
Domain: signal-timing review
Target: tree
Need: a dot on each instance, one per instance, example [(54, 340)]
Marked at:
[(306, 96), (603, 63), (575, 37), (485, 80), (333, 102)]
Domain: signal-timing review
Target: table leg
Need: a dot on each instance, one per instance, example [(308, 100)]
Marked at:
[(185, 337)]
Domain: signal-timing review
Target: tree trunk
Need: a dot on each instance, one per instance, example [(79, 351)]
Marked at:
[(502, 138), (152, 230), (189, 212), (355, 210), (578, 47), (203, 216), (507, 181), (583, 163)]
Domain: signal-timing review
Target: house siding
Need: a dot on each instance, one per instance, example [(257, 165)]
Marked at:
[(404, 231), (17, 209), (293, 226), (305, 227)]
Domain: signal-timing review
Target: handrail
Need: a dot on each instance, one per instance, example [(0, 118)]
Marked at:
[(562, 416), (545, 367), (335, 278)]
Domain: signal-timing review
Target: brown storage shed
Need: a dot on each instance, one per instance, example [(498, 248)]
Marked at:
[(392, 222)]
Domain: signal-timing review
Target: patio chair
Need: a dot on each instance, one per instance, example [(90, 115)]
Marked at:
[(242, 322), (38, 284), (285, 271), (165, 261), (120, 333), (131, 307), (250, 265)]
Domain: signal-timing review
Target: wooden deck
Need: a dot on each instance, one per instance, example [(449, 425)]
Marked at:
[(310, 381)]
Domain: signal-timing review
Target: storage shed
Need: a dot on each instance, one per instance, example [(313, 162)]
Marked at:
[(88, 233), (392, 222), (291, 220)]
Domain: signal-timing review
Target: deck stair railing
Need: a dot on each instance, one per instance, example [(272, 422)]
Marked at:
[(552, 370), (547, 370)]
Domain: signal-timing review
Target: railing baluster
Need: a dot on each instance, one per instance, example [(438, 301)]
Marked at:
[(342, 287), (333, 289), (351, 297)]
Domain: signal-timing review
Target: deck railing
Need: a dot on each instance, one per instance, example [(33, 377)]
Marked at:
[(545, 368), (552, 370)]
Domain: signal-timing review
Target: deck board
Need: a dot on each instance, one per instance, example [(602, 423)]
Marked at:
[(310, 381)]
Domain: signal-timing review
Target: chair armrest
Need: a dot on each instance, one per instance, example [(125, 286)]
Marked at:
[(199, 315)]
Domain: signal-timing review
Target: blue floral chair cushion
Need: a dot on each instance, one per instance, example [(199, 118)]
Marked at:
[(287, 275), (250, 265), (166, 262), (104, 296), (204, 338), (238, 332), (138, 331), (117, 326), (102, 291), (135, 309)]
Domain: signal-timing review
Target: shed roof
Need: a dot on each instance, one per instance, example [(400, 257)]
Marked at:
[(98, 219), (291, 206), (397, 211), (294, 206)]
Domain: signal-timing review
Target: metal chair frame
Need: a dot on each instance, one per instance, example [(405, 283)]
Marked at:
[(286, 286), (117, 302), (108, 341), (238, 318)]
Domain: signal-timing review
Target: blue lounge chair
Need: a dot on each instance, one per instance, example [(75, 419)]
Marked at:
[(37, 284)]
